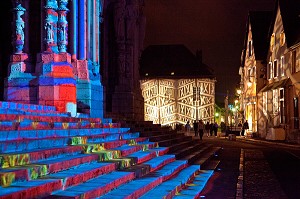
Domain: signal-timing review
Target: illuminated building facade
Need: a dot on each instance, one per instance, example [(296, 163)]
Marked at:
[(280, 95), (277, 102), (177, 87), (253, 65)]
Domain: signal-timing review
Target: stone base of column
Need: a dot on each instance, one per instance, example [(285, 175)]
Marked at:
[(56, 82), (89, 90), (128, 105), (20, 85), (20, 89)]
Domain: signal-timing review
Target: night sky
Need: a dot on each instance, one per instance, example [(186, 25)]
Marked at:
[(217, 27)]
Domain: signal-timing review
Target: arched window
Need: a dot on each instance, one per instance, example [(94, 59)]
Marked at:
[(282, 38)]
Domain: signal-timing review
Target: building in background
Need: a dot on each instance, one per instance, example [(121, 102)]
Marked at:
[(280, 112), (277, 79), (177, 87), (253, 65)]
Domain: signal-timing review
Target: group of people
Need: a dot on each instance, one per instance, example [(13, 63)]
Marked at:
[(201, 128), (211, 129)]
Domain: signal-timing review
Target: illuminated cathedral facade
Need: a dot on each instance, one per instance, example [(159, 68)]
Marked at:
[(54, 58), (80, 56)]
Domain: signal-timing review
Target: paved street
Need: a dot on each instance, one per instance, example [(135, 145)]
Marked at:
[(254, 169)]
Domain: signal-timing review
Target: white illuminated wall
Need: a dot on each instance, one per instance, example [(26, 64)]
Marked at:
[(171, 101)]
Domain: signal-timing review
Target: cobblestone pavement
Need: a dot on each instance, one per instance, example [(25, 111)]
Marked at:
[(224, 181), (259, 179), (245, 172)]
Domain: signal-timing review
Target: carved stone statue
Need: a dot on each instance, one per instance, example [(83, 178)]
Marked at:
[(132, 13), (49, 32), (19, 29), (51, 4), (119, 22)]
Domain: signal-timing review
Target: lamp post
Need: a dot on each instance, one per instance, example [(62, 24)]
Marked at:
[(240, 101), (196, 98), (226, 109)]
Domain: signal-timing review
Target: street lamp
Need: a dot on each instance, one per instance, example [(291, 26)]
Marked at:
[(196, 98)]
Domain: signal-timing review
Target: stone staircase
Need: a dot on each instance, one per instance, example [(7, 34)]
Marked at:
[(47, 154)]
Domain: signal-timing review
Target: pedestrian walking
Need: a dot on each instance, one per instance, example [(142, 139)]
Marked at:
[(195, 125), (211, 129), (245, 128), (216, 126), (207, 129), (187, 127), (201, 129)]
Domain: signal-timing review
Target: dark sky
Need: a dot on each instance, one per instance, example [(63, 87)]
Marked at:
[(217, 27)]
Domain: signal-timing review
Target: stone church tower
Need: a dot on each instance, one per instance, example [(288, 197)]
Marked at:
[(124, 30)]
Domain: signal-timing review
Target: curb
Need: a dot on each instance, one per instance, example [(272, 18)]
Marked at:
[(240, 183), (268, 142)]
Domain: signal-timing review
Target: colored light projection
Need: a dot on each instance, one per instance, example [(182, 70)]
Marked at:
[(70, 85), (171, 101)]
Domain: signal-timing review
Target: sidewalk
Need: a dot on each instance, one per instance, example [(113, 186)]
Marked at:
[(244, 171), (271, 142), (248, 139)]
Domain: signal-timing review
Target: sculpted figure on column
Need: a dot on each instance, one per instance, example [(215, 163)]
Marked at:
[(132, 13), (119, 22)]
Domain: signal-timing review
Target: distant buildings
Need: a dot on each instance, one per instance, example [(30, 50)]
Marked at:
[(270, 72), (177, 87), (254, 64)]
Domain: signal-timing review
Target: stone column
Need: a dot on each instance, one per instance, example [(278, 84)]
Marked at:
[(126, 97), (74, 29), (50, 27), (17, 84), (18, 42), (62, 26), (81, 31)]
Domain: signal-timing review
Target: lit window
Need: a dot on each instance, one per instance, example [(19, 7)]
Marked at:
[(282, 66), (282, 38), (281, 105), (270, 70), (250, 49), (294, 60), (272, 42), (275, 101)]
